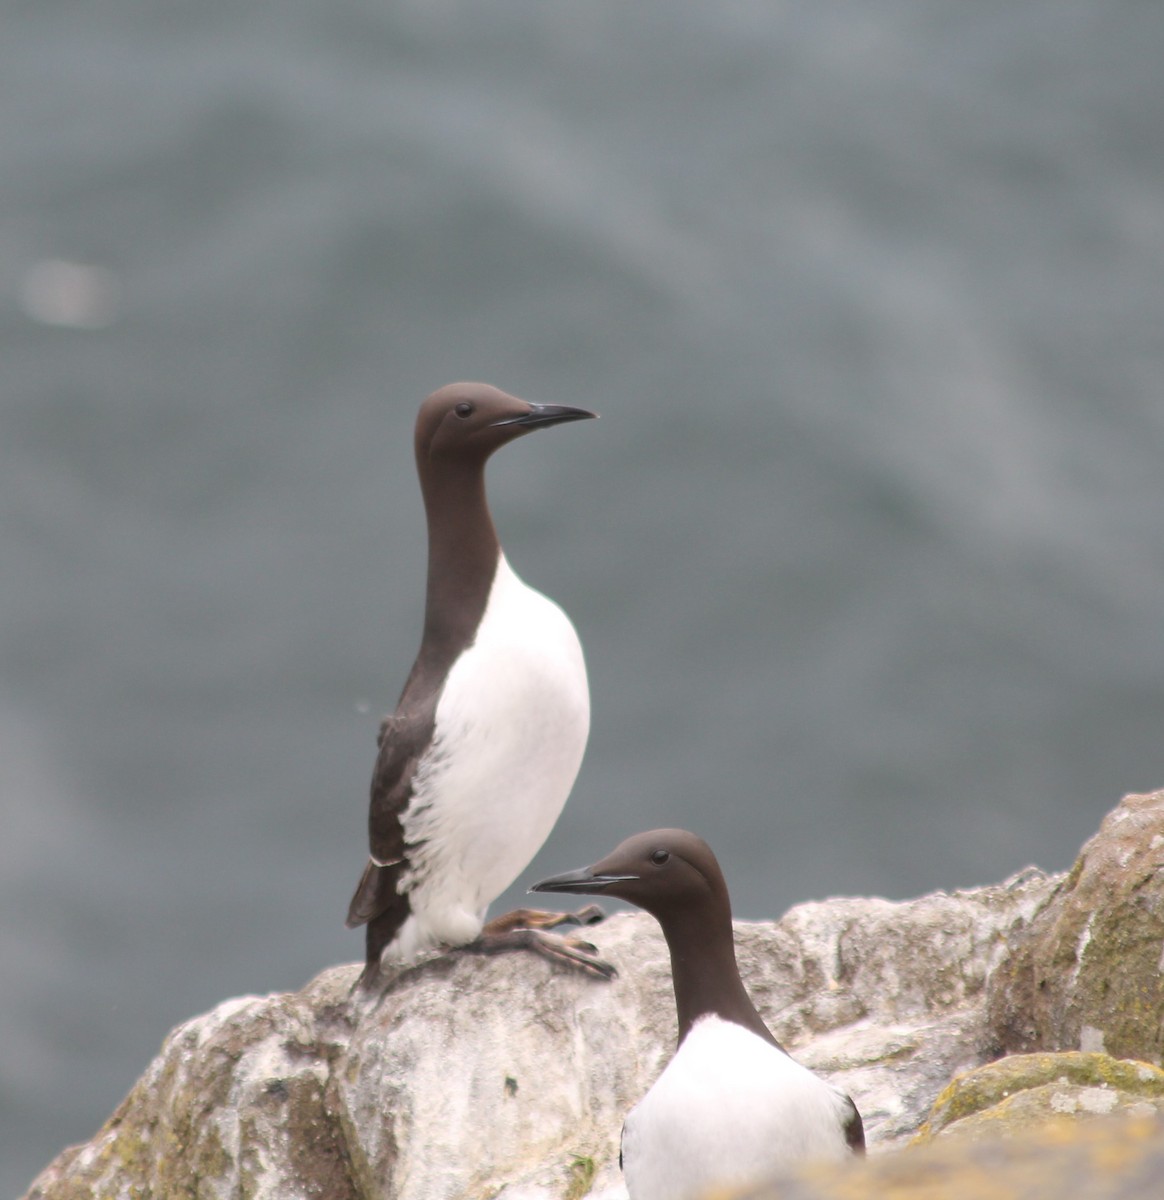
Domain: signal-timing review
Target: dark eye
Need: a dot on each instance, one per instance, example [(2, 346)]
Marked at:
[(660, 857), (464, 409)]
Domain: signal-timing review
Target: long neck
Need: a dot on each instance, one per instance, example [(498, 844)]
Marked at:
[(704, 971), (463, 552)]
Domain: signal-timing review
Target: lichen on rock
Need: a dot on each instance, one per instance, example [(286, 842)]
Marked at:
[(1086, 973), (1004, 1098), (1110, 1159)]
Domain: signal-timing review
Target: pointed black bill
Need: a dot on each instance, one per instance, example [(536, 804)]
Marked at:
[(540, 415), (583, 881)]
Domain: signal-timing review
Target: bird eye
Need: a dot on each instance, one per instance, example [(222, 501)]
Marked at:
[(660, 857), (463, 410)]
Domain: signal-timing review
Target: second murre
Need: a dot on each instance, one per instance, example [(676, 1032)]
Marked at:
[(732, 1109)]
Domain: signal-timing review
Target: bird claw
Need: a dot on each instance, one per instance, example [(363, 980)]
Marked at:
[(540, 918), (590, 915), (586, 960), (570, 951)]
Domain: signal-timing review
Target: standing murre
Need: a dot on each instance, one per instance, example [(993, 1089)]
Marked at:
[(477, 760), (732, 1109)]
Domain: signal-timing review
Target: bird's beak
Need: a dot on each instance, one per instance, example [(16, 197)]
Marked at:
[(540, 415), (582, 881)]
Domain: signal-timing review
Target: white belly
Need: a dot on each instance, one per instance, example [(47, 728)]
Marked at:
[(729, 1112), (511, 729)]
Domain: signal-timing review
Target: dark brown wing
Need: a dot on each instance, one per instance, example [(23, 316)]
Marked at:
[(854, 1129), (374, 893), (404, 738)]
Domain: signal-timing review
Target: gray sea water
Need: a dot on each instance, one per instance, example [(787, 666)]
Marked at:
[(867, 550)]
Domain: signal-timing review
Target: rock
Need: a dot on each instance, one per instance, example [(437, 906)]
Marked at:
[(1110, 1159), (505, 1077), (1086, 973), (887, 998), (508, 1079), (1012, 1095), (239, 1099)]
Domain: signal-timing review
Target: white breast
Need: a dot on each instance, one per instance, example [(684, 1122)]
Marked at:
[(730, 1111), (511, 729)]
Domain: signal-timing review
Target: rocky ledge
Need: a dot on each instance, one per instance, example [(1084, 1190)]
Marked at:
[(507, 1078)]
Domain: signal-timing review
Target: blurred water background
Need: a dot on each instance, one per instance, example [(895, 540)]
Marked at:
[(867, 550)]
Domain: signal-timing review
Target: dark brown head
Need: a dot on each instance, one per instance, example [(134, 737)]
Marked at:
[(668, 872), (468, 421), (674, 876), (457, 429)]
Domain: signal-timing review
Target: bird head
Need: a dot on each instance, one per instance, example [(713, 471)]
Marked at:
[(665, 872), (469, 421)]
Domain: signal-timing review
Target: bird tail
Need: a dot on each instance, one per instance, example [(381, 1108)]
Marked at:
[(382, 909), (369, 978)]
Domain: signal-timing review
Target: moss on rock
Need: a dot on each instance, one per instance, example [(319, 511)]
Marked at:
[(1086, 973), (1026, 1090), (1112, 1159)]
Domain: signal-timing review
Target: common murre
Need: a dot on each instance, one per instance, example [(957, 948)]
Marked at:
[(483, 748), (732, 1109)]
